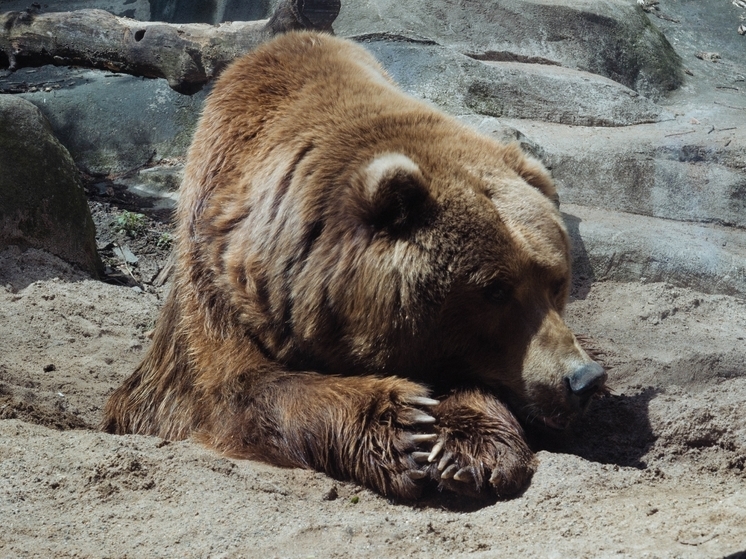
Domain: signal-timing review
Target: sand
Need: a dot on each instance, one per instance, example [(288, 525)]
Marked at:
[(656, 469)]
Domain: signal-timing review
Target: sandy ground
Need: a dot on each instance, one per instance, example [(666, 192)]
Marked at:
[(657, 469)]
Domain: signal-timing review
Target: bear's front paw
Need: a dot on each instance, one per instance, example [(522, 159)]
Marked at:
[(481, 448), (475, 468), (397, 439)]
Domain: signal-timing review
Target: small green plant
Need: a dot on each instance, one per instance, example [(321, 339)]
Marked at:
[(165, 240), (130, 223)]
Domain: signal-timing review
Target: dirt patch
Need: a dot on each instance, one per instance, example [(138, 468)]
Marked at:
[(66, 341), (53, 417), (133, 235)]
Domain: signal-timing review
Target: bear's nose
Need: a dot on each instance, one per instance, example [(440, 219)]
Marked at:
[(585, 381)]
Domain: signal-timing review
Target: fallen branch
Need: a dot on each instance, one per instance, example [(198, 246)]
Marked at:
[(187, 55)]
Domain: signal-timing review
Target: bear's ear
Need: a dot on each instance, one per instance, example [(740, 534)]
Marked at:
[(395, 191), (532, 171)]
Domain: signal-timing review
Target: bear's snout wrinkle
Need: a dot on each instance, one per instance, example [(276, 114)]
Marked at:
[(585, 381)]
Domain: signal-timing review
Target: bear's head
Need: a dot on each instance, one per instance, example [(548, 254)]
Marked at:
[(451, 270)]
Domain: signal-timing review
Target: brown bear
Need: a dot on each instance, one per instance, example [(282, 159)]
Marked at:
[(363, 285)]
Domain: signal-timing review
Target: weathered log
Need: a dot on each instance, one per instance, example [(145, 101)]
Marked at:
[(187, 55)]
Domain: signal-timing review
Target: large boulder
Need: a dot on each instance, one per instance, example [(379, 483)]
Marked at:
[(42, 201), (550, 93), (613, 38), (674, 170), (625, 247), (110, 123)]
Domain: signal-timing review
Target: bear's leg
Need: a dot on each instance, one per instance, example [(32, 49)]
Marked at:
[(481, 446), (372, 430)]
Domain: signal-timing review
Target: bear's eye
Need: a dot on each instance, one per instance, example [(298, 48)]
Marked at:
[(558, 288), (498, 293)]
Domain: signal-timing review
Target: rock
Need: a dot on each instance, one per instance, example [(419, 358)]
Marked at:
[(556, 94), (42, 202), (625, 247), (673, 170), (707, 25), (550, 93), (160, 183), (125, 254), (135, 9), (502, 133), (613, 39), (199, 11), (110, 123), (172, 11)]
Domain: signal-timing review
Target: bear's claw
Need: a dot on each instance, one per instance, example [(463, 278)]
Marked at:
[(449, 472), (435, 451), (416, 474), (421, 401), (418, 438), (447, 457), (420, 457), (496, 476), (464, 475), (417, 416)]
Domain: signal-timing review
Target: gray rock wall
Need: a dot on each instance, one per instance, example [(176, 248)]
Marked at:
[(545, 92)]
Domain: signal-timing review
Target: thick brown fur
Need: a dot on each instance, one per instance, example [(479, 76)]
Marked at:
[(343, 252)]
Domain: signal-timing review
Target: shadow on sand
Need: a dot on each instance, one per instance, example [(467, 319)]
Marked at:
[(615, 430)]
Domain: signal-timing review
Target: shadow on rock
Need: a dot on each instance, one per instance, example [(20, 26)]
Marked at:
[(615, 430), (582, 271)]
